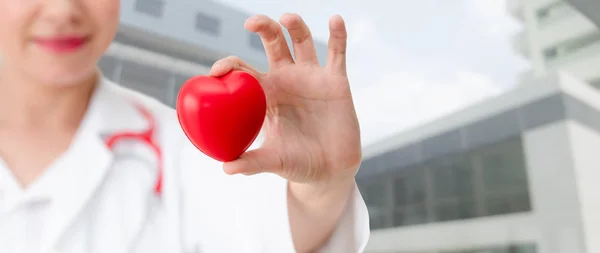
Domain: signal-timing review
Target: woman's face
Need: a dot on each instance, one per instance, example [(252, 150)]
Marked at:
[(56, 41)]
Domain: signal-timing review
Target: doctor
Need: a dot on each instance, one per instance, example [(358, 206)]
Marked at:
[(69, 183)]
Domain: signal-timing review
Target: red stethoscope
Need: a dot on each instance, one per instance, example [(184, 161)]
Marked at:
[(146, 137)]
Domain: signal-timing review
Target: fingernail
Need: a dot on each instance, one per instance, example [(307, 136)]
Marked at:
[(252, 19), (216, 67)]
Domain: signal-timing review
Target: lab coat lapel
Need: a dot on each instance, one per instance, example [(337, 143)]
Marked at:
[(90, 159)]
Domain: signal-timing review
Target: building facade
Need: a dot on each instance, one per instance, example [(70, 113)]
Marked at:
[(514, 174), (161, 44), (589, 8), (558, 36)]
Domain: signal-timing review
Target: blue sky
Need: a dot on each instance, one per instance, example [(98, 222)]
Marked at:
[(412, 61)]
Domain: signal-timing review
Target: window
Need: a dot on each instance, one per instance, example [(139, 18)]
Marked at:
[(553, 12), (505, 183), (488, 180), (519, 248), (154, 8), (572, 46), (178, 82), (163, 47), (551, 53), (256, 42), (409, 197), (108, 66), (453, 196), (148, 80), (208, 24), (595, 83), (374, 194)]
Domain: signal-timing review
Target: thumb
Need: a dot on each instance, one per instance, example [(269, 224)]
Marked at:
[(255, 161)]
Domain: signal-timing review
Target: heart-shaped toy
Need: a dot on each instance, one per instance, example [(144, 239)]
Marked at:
[(222, 116)]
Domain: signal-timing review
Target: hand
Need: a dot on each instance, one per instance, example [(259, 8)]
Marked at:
[(311, 129)]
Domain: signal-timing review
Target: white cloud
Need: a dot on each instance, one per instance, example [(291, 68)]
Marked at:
[(394, 92), (492, 15), (369, 55), (402, 100), (361, 32)]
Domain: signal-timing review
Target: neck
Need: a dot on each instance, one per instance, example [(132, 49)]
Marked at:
[(27, 104)]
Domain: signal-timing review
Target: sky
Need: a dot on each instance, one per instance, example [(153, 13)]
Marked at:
[(410, 62)]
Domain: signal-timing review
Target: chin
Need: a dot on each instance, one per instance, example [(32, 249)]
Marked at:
[(63, 77)]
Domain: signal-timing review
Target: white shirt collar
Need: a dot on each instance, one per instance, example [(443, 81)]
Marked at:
[(73, 177)]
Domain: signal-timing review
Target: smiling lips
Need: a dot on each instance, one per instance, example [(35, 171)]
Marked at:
[(62, 44)]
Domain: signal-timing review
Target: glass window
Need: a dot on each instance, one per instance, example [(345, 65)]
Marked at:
[(453, 178), (552, 12), (149, 80), (377, 222), (374, 194), (551, 53), (453, 196), (572, 46), (410, 215), (108, 66), (208, 24), (489, 180), (163, 47), (443, 184), (179, 81), (595, 83), (455, 210), (409, 197), (503, 167), (505, 187), (153, 8), (409, 187), (507, 203), (520, 248), (400, 192)]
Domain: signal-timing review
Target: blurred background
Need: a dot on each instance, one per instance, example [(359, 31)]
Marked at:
[(480, 118)]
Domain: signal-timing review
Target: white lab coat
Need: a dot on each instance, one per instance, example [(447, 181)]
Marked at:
[(105, 202)]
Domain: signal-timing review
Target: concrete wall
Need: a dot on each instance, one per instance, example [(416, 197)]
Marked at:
[(590, 8), (477, 233), (585, 147), (553, 189)]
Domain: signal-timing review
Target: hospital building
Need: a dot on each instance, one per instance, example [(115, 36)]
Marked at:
[(160, 44), (517, 173)]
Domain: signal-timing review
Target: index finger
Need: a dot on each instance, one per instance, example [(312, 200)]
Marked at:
[(271, 34)]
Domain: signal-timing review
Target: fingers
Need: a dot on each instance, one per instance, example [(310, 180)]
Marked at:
[(302, 41), (254, 162), (336, 56), (226, 65), (271, 34), (278, 51)]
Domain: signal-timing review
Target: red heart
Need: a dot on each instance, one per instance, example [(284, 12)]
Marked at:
[(222, 116)]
